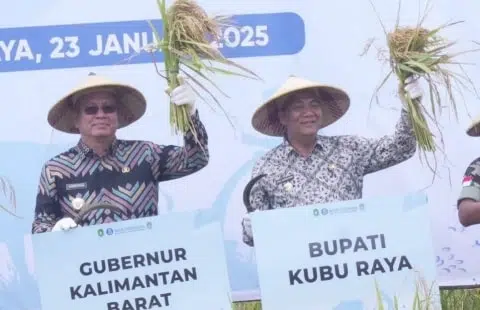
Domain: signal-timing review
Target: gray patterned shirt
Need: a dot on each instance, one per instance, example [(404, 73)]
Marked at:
[(333, 172)]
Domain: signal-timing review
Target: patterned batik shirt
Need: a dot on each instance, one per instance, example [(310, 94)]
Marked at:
[(126, 177), (333, 172), (471, 183)]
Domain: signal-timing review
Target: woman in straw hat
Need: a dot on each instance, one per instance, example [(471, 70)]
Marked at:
[(308, 168), (103, 169), (468, 202)]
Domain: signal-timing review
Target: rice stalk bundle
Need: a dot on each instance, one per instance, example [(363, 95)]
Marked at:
[(188, 47), (417, 53)]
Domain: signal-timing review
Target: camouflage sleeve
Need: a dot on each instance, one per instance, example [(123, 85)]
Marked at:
[(389, 150), (172, 162), (471, 183), (47, 209)]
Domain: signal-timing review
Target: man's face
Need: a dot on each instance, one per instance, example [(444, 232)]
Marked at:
[(303, 115), (97, 114)]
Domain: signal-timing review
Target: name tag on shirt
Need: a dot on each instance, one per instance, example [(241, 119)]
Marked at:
[(284, 180), (76, 186)]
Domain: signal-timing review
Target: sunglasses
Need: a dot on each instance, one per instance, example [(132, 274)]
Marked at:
[(108, 109)]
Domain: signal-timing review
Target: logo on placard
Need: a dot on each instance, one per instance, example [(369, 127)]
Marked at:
[(100, 232), (109, 231), (317, 212), (149, 225)]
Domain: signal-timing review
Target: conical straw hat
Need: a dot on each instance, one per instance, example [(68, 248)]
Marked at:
[(474, 128), (336, 102), (131, 103)]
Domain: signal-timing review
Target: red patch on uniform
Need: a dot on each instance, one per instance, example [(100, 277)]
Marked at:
[(467, 180)]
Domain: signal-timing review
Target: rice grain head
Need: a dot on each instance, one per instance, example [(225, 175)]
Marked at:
[(408, 39), (191, 27), (188, 45)]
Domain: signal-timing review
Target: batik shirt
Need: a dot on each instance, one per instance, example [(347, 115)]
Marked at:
[(333, 172), (471, 182), (126, 177)]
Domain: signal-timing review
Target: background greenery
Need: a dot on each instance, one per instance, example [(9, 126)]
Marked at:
[(458, 299)]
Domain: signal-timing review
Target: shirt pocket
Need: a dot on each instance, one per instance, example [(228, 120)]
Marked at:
[(77, 189), (330, 174), (283, 189)]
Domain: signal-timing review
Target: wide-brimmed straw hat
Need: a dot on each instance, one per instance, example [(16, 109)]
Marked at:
[(131, 103), (474, 128), (335, 101)]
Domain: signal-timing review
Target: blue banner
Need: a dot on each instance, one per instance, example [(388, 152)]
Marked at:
[(146, 263), (357, 253), (115, 43)]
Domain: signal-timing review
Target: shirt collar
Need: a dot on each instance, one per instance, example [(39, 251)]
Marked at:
[(86, 150), (288, 148)]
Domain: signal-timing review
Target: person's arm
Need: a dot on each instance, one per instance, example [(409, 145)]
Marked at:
[(47, 209), (389, 150), (258, 201), (172, 162), (468, 202), (247, 232)]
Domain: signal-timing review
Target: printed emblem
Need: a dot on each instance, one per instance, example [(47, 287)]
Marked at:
[(288, 186), (125, 169), (78, 203)]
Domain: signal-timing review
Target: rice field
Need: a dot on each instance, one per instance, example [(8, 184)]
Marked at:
[(458, 299)]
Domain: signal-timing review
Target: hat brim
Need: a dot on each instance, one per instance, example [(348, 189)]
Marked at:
[(131, 107), (474, 129), (335, 101)]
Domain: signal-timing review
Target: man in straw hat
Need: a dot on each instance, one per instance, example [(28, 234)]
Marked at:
[(308, 168), (103, 169), (468, 202)]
